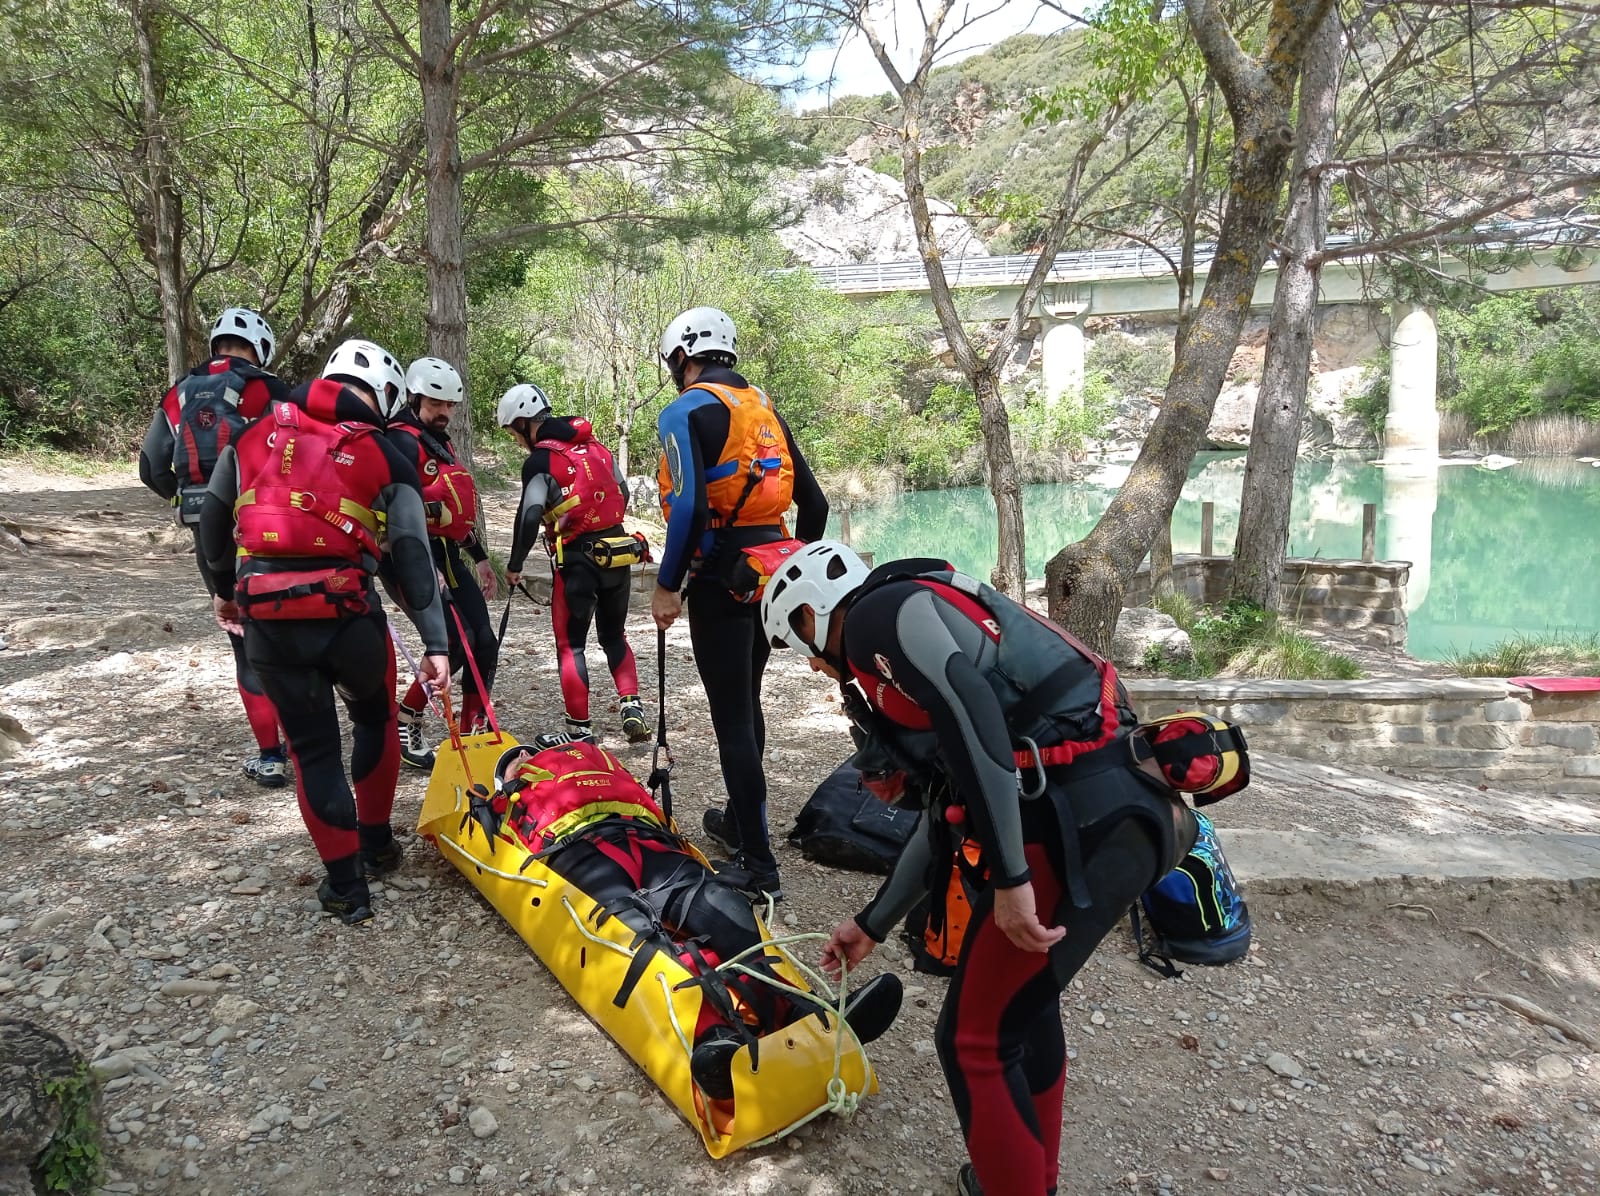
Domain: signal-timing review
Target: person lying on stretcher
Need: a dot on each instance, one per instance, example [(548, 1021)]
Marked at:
[(579, 808)]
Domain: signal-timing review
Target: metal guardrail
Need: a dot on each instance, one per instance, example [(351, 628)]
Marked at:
[(1096, 264)]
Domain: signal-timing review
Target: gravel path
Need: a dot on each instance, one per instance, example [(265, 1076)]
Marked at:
[(158, 910)]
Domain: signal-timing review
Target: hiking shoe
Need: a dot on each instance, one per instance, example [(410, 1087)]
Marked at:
[(270, 769), (756, 881), (378, 862), (579, 731), (967, 1181), (872, 1008), (634, 725), (414, 749), (711, 1062), (352, 908), (718, 829)]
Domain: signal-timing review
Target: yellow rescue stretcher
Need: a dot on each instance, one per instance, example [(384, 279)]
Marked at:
[(806, 1069)]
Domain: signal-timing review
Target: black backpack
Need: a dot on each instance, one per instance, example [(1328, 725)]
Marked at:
[(845, 826), (209, 420)]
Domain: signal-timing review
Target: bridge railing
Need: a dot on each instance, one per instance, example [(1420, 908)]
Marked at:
[(1084, 265)]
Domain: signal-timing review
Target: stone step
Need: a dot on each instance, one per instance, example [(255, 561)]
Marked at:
[(1275, 856)]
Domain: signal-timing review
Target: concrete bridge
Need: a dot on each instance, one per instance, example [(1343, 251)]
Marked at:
[(1551, 252)]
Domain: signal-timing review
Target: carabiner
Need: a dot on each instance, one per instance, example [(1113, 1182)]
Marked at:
[(1038, 770)]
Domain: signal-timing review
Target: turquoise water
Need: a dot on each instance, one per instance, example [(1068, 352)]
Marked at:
[(1493, 552)]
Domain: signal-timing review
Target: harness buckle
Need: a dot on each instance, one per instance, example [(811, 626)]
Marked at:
[(1038, 770)]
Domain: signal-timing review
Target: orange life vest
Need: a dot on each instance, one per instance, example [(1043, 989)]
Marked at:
[(752, 480)]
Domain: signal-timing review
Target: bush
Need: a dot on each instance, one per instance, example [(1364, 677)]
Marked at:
[(1241, 639), (1531, 656)]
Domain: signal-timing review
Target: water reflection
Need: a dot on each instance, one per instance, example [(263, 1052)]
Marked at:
[(1492, 552)]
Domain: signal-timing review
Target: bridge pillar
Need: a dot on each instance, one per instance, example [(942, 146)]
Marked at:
[(1411, 431), (1063, 348)]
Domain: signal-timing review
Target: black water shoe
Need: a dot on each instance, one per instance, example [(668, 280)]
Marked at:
[(352, 907), (711, 1062)]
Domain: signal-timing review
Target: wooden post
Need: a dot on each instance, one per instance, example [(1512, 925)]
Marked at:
[(1208, 516), (1369, 532), (844, 524)]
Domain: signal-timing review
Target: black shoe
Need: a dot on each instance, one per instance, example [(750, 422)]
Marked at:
[(967, 1181), (756, 881), (711, 1062), (378, 862), (872, 1008), (352, 908), (719, 830), (634, 725)]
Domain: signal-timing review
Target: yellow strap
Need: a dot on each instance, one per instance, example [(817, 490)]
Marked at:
[(569, 824), (365, 516)]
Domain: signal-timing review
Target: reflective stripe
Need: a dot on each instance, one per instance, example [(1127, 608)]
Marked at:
[(569, 824)]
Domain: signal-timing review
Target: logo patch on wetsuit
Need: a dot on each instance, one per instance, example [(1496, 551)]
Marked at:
[(674, 464), (431, 468)]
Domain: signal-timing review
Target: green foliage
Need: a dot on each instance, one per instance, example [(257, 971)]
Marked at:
[(1518, 356), (1241, 639), (1065, 425), (72, 1161), (933, 441), (1531, 656), (1370, 402)]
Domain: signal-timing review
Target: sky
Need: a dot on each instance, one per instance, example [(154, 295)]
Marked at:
[(854, 70)]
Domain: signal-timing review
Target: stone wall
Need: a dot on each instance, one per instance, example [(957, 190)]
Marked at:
[(1480, 731), (1368, 597)]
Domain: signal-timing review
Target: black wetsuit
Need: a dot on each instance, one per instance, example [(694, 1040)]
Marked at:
[(925, 660), (303, 662), (730, 651)]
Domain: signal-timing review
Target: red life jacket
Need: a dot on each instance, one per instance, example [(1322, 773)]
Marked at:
[(208, 410), (569, 787), (449, 495), (306, 490), (591, 500)]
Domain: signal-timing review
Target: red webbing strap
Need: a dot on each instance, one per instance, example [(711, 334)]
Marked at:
[(472, 663), (630, 861)]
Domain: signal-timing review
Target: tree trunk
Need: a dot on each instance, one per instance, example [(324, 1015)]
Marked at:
[(447, 277), (1011, 563), (1084, 582), (1280, 409), (165, 207)]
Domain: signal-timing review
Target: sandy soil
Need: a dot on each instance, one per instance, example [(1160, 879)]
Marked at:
[(155, 908)]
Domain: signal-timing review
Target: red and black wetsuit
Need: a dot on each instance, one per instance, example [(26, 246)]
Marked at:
[(424, 448), (257, 391), (303, 661), (582, 593), (925, 654)]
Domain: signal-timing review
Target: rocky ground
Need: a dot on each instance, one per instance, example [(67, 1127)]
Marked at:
[(157, 909)]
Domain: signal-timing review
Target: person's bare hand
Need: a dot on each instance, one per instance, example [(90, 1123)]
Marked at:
[(227, 614), (487, 582), (1018, 919), (846, 947), (665, 607), (513, 577), (436, 672)]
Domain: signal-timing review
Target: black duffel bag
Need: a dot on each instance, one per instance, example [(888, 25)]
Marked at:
[(845, 826)]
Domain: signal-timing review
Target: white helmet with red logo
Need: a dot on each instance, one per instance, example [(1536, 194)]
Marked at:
[(374, 368)]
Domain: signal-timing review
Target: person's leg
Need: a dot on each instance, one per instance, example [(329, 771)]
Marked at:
[(474, 612), (291, 659), (610, 625), (573, 593), (361, 657), (722, 632), (999, 1034), (258, 710)]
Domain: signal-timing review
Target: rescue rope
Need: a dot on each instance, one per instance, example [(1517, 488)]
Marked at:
[(416, 669), (591, 935), (472, 663), (505, 615)]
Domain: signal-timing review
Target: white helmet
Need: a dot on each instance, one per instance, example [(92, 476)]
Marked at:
[(435, 378), (821, 575), (523, 401), (373, 367), (701, 330), (247, 326)]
